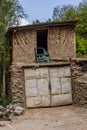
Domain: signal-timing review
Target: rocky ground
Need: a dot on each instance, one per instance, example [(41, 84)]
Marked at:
[(56, 118), (8, 112)]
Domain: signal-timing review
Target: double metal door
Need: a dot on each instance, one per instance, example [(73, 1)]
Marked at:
[(47, 86)]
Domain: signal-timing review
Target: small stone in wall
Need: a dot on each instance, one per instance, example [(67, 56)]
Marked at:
[(1, 108), (1, 113)]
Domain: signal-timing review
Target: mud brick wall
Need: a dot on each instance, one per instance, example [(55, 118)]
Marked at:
[(79, 81), (17, 85), (24, 42), (61, 44)]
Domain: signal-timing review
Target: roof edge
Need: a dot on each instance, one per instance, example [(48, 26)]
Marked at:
[(42, 25)]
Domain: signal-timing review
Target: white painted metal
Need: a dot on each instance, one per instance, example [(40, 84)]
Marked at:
[(37, 84), (60, 86), (37, 87)]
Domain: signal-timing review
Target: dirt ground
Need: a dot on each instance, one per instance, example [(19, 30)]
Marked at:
[(56, 118)]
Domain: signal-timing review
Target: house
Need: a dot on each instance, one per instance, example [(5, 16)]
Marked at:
[(42, 84)]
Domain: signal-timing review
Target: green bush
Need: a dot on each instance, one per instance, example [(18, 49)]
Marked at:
[(4, 102), (81, 45)]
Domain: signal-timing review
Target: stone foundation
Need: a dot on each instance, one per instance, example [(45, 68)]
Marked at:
[(17, 85), (79, 81)]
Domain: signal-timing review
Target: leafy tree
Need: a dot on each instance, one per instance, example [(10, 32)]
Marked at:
[(56, 14), (36, 21), (10, 12), (81, 45), (82, 28), (70, 13), (49, 20), (67, 13), (82, 15), (64, 13)]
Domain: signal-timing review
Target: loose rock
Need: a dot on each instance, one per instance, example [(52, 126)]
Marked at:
[(9, 112), (2, 124), (18, 111)]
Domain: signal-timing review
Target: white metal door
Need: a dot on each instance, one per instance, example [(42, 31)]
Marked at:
[(60, 82), (37, 87), (48, 86)]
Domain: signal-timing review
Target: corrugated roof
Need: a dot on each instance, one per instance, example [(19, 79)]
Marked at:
[(44, 25)]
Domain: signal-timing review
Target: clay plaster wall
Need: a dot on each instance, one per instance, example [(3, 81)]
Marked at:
[(61, 44)]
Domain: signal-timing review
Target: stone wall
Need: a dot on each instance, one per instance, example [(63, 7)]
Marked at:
[(79, 81), (61, 44), (17, 85)]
